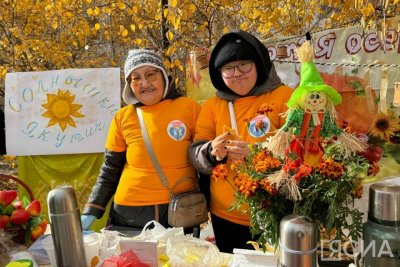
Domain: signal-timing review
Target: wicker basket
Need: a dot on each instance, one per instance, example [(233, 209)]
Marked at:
[(17, 232), (7, 178)]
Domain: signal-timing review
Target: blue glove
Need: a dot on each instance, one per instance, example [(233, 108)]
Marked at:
[(87, 221)]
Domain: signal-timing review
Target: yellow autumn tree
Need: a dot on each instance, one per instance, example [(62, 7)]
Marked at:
[(287, 18), (47, 34)]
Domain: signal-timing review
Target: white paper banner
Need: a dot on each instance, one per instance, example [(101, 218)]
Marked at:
[(61, 111), (342, 52)]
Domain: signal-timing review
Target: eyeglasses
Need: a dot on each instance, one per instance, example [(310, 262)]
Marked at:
[(244, 67), (150, 76)]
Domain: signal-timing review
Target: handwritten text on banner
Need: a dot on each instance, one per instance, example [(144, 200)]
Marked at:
[(61, 111)]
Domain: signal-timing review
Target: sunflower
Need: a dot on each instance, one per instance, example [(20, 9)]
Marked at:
[(385, 126)]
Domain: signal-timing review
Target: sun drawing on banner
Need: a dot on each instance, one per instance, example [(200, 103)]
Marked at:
[(61, 109)]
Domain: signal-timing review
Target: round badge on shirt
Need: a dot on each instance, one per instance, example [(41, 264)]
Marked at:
[(176, 130), (259, 126)]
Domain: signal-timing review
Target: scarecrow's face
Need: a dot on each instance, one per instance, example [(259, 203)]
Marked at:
[(313, 101)]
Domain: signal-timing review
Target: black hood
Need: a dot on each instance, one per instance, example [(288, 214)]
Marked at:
[(267, 78)]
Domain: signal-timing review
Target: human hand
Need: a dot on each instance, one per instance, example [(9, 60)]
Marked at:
[(237, 149), (87, 221), (218, 146)]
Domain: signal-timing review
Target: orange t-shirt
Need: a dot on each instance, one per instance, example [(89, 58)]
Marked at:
[(215, 116), (170, 125)]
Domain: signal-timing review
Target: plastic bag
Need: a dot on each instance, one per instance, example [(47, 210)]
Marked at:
[(194, 252), (12, 251), (158, 232), (108, 244), (207, 233), (161, 234)]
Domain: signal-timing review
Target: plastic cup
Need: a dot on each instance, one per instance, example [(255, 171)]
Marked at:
[(91, 243)]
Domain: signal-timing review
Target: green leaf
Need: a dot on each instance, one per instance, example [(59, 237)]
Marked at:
[(8, 210), (35, 221), (25, 201)]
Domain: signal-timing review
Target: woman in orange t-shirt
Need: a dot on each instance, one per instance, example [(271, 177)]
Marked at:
[(128, 173), (245, 78)]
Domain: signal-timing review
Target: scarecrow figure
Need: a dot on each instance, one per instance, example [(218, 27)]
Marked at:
[(311, 117)]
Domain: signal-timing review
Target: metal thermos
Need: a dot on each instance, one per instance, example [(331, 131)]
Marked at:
[(66, 227), (298, 242), (382, 230)]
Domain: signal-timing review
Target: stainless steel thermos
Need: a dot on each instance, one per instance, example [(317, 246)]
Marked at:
[(298, 242), (66, 227), (382, 230)]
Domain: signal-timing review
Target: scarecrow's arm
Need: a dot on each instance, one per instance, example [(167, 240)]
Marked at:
[(294, 121), (329, 127)]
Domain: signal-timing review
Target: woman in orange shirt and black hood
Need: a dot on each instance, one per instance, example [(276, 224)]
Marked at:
[(249, 94)]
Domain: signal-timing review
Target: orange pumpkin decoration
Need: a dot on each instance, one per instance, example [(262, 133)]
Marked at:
[(354, 108)]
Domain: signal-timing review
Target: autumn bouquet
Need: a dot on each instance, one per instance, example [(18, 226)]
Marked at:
[(21, 220), (326, 192)]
